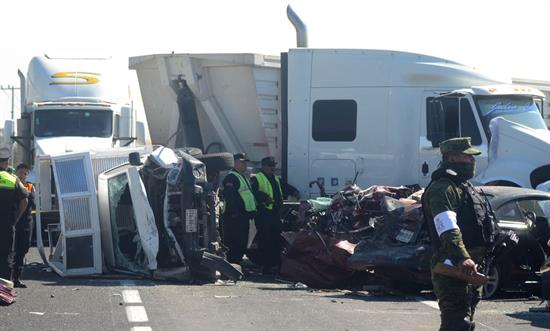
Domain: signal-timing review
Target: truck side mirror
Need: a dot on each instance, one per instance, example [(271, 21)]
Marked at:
[(9, 131), (125, 126), (140, 133)]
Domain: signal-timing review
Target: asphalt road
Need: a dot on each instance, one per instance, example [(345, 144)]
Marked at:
[(259, 303)]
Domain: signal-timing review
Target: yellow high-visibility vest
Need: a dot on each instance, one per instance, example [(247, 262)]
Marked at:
[(245, 192), (7, 180), (265, 186)]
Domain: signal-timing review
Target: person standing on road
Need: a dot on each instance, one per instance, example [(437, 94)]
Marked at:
[(240, 207), (453, 210), (23, 228), (268, 192), (13, 202)]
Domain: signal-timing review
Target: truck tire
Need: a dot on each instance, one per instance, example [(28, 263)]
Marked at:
[(193, 151), (217, 161)]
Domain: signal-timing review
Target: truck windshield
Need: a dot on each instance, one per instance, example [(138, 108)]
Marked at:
[(520, 109), (72, 122)]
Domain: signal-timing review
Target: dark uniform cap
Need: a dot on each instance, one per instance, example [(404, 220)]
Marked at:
[(240, 157), (269, 161), (5, 152), (458, 145)]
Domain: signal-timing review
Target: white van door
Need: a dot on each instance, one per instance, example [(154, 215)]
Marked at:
[(79, 215), (445, 117)]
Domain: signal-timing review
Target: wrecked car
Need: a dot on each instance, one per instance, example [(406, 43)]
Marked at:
[(401, 249)]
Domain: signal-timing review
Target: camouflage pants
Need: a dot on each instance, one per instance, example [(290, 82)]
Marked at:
[(457, 301)]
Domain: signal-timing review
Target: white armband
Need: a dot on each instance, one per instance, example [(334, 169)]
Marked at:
[(445, 221)]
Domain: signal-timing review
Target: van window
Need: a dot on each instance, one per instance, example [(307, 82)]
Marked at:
[(449, 117), (334, 120)]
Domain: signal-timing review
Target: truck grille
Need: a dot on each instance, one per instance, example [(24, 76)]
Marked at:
[(77, 213)]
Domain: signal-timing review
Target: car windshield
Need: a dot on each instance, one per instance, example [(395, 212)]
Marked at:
[(520, 109), (517, 210), (73, 122)]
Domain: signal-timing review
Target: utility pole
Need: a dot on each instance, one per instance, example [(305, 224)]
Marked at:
[(12, 89)]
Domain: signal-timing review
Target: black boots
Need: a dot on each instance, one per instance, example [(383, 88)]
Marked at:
[(457, 324), (15, 277)]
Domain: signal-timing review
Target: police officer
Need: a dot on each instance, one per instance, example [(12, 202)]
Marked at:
[(240, 207), (453, 210), (13, 202), (268, 191), (23, 228)]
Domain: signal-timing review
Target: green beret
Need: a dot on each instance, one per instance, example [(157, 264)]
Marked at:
[(458, 145)]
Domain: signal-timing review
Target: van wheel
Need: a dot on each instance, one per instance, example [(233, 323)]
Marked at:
[(217, 161), (502, 183), (493, 283)]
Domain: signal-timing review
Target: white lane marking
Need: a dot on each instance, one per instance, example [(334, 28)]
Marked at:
[(127, 282), (434, 305), (136, 314), (430, 303), (131, 296)]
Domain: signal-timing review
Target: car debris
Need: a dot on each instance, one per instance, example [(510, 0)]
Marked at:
[(178, 239), (382, 231), (7, 292), (329, 230)]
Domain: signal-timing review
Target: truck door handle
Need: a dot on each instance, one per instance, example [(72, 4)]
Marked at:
[(360, 162)]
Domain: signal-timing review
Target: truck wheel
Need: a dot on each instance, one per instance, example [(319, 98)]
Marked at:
[(217, 161), (193, 151)]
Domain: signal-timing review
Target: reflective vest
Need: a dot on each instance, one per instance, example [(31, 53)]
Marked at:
[(265, 186), (245, 192), (7, 180)]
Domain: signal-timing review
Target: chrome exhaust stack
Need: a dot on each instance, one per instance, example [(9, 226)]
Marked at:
[(301, 29)]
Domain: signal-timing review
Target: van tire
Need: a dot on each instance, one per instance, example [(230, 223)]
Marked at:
[(217, 161)]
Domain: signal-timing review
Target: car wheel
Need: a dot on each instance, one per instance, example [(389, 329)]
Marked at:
[(493, 283)]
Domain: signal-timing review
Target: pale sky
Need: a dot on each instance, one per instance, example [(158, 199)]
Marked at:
[(509, 38)]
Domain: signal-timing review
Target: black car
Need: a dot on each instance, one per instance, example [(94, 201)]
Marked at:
[(407, 263)]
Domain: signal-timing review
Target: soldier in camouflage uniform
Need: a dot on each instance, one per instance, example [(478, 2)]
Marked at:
[(451, 206)]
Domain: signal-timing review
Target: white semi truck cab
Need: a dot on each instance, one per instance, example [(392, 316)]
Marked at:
[(335, 115), (505, 122), (71, 105), (74, 113)]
